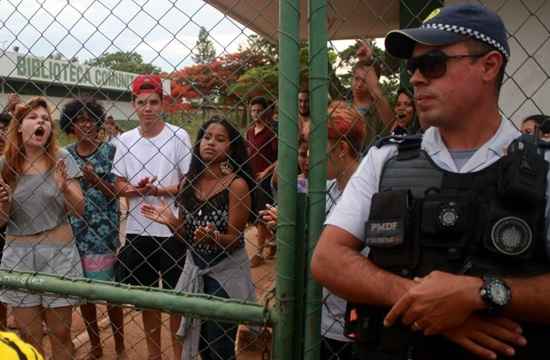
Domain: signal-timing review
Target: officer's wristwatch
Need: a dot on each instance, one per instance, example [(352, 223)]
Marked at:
[(495, 293)]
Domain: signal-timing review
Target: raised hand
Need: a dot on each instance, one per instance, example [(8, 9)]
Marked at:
[(364, 51), (269, 216), (146, 187), (205, 233), (89, 174), (60, 175), (13, 101), (161, 214), (5, 192)]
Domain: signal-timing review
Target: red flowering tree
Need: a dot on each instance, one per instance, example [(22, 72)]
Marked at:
[(212, 81)]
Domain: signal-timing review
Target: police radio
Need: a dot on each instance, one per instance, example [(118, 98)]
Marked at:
[(523, 172), (517, 214)]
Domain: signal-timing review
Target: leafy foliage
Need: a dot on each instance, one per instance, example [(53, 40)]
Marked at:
[(260, 47), (212, 81), (233, 79), (128, 61), (204, 51)]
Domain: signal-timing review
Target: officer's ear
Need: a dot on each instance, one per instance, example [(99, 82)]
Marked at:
[(492, 63)]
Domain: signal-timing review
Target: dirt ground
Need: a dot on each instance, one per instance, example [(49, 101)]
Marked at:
[(263, 277)]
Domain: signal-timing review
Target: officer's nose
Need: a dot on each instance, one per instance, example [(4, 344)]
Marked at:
[(417, 78)]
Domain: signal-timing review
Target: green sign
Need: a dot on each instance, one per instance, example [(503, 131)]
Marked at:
[(33, 68)]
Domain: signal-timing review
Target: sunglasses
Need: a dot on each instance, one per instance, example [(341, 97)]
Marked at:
[(433, 64)]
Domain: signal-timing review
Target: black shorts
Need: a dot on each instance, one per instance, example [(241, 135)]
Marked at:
[(337, 350), (144, 260)]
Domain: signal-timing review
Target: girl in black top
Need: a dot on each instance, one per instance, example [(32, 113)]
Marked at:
[(214, 204)]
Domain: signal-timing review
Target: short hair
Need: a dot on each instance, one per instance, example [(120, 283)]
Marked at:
[(75, 108), (5, 118), (345, 123), (479, 47), (537, 118), (260, 100), (303, 90)]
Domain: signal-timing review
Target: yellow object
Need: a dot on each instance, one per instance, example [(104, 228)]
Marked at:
[(13, 348), (432, 14)]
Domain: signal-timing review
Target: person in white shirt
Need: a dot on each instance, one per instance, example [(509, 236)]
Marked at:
[(346, 136), (456, 61), (149, 163)]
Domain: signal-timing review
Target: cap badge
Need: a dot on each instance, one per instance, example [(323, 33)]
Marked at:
[(432, 15)]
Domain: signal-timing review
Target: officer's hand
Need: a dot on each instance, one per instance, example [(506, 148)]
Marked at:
[(487, 337), (438, 302)]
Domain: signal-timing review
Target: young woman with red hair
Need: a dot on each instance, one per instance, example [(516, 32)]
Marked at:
[(346, 136), (38, 189)]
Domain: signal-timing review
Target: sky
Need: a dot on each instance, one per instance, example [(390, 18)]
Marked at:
[(162, 31)]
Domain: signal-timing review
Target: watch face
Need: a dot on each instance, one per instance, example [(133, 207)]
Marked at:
[(498, 293)]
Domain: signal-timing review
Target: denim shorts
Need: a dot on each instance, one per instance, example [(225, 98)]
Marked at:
[(56, 259)]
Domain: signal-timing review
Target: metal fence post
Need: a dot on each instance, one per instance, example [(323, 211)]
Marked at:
[(289, 48), (318, 85), (301, 281), (194, 305)]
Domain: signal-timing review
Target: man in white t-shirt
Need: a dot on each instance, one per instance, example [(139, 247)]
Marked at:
[(149, 163)]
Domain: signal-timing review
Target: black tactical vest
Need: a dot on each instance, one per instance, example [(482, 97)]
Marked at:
[(424, 218)]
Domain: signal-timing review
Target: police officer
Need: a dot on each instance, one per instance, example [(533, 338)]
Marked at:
[(453, 224)]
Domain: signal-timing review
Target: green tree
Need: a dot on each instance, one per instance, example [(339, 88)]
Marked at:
[(260, 47), (204, 51), (263, 79), (124, 61)]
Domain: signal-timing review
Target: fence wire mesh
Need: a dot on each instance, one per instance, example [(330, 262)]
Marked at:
[(155, 172), (170, 180)]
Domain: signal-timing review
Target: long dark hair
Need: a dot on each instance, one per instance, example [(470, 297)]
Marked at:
[(414, 126), (237, 157)]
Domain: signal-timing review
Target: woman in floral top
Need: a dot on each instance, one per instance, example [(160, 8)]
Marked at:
[(97, 231)]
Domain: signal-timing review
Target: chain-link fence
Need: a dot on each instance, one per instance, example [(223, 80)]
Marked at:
[(145, 182), (182, 180)]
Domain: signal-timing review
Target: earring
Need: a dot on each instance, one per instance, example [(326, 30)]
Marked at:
[(226, 168)]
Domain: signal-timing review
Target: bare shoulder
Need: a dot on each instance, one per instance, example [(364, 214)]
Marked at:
[(239, 186)]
